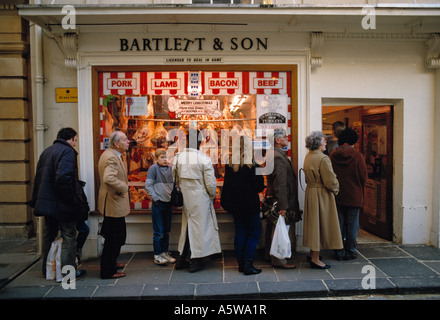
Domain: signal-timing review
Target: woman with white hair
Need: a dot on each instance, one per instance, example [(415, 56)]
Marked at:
[(321, 224)]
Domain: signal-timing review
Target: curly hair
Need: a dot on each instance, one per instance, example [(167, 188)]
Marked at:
[(313, 141)]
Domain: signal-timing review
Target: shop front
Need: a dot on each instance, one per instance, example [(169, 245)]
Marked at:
[(156, 93), (155, 72), (156, 106)]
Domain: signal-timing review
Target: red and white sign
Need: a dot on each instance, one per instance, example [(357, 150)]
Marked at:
[(268, 83), (222, 83), (121, 84), (166, 83)]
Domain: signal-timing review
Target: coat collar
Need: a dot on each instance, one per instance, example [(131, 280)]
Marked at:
[(119, 156), (62, 141)]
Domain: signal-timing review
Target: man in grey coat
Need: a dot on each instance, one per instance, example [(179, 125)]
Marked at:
[(282, 185)]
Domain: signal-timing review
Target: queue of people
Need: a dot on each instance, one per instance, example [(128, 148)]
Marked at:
[(333, 198)]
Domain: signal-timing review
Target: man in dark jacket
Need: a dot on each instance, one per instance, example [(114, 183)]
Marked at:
[(58, 196), (282, 185), (351, 172)]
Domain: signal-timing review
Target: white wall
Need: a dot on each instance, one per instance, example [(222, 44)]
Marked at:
[(57, 115), (389, 71)]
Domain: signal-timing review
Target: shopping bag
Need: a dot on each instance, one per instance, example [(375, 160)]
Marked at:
[(53, 263), (280, 247)]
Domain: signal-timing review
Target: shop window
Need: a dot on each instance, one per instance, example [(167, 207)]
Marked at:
[(157, 109), (231, 2)]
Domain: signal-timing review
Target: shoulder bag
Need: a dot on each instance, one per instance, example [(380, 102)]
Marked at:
[(176, 194)]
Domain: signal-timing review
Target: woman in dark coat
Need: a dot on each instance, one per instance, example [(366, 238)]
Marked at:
[(351, 170), (240, 197)]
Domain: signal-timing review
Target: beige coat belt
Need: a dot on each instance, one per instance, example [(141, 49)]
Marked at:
[(315, 185)]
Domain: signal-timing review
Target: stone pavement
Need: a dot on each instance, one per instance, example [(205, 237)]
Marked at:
[(398, 269)]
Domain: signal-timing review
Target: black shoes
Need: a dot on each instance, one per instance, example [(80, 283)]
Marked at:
[(195, 265), (181, 263), (309, 258), (350, 256), (316, 266), (249, 269)]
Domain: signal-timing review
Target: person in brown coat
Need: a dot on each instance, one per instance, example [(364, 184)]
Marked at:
[(321, 224), (113, 203), (282, 185), (351, 171)]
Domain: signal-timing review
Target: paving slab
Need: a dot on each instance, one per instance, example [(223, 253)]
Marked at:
[(396, 269)]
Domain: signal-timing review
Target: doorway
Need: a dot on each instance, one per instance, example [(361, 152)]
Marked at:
[(374, 124)]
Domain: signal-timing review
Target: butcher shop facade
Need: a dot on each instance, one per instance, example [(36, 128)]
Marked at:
[(157, 106), (154, 72), (156, 110)]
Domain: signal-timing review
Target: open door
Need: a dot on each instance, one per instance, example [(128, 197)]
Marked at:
[(376, 146)]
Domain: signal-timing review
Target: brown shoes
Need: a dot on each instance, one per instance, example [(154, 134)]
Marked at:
[(118, 275), (115, 276)]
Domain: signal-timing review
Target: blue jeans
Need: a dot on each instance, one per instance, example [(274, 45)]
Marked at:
[(349, 224), (161, 215), (247, 235), (83, 232)]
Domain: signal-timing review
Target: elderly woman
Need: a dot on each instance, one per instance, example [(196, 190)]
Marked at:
[(321, 224)]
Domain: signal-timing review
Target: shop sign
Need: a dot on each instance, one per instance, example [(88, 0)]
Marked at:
[(66, 95), (272, 112), (137, 106), (188, 60), (195, 83), (121, 84), (223, 83), (194, 44), (160, 84), (194, 107), (268, 83)]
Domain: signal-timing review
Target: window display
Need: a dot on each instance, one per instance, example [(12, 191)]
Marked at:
[(156, 110)]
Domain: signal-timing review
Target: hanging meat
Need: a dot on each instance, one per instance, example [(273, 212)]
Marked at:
[(159, 137)]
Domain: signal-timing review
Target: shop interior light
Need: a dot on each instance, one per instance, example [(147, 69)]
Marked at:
[(236, 104)]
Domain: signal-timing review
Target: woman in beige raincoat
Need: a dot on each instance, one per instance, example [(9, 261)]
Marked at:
[(321, 224), (199, 233)]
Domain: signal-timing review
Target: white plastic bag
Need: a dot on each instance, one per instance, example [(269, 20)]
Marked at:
[(53, 263), (280, 247)]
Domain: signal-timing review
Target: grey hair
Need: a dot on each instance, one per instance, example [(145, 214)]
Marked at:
[(276, 134), (114, 137), (313, 141)]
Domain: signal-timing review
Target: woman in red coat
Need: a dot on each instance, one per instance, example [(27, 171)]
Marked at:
[(351, 171)]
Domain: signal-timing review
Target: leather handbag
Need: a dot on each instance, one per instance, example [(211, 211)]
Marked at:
[(270, 211), (176, 193)]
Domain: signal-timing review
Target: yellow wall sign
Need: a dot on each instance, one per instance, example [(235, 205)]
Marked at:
[(66, 94)]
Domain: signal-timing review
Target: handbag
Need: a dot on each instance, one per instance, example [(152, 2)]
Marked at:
[(176, 193), (280, 247), (270, 211)]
